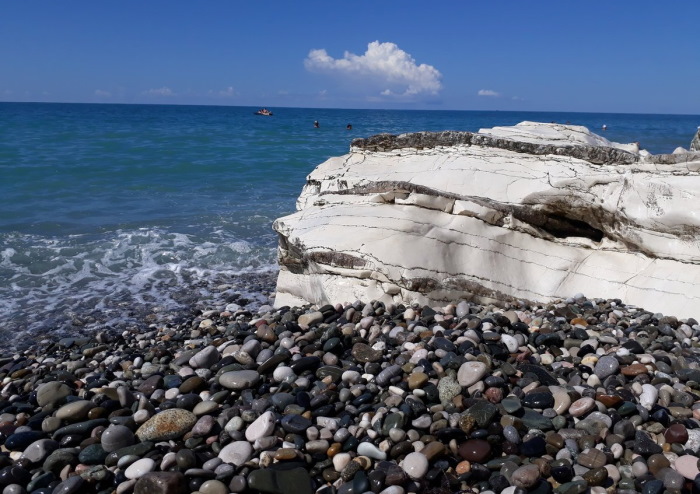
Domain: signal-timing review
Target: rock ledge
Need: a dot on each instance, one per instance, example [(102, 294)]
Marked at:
[(532, 212)]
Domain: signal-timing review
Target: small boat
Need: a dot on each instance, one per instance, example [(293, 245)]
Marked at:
[(264, 112)]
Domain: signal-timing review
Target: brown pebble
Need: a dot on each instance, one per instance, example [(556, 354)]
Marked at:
[(634, 370), (510, 448), (475, 450), (544, 465), (657, 462), (19, 374), (555, 439), (285, 454), (417, 380), (609, 400), (596, 476), (433, 449), (676, 433), (192, 384), (96, 413), (334, 449), (463, 467), (494, 395), (266, 334), (592, 458), (460, 402), (525, 476), (330, 475)]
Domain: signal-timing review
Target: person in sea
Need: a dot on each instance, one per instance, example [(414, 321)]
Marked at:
[(349, 127), (316, 125)]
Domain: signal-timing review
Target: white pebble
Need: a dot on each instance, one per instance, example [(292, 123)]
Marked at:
[(141, 416), (140, 468), (340, 460), (370, 450), (281, 373), (510, 342), (415, 465), (648, 397), (261, 427)]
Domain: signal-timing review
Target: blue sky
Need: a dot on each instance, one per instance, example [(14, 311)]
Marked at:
[(592, 56)]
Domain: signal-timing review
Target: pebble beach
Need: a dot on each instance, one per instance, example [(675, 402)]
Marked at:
[(583, 395), (142, 353)]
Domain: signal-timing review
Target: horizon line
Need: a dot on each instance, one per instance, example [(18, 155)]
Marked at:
[(337, 108)]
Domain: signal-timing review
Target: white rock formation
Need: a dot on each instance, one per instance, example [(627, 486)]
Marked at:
[(695, 143), (532, 212)]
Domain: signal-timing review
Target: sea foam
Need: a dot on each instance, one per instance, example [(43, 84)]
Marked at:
[(120, 279)]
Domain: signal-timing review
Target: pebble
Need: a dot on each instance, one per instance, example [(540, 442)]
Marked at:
[(213, 487), (687, 466), (415, 465), (648, 397), (160, 483), (139, 468), (237, 380), (261, 427), (51, 393), (371, 451), (572, 396), (475, 450), (116, 437), (606, 366), (75, 411), (236, 453), (525, 476), (168, 424), (592, 458), (581, 406), (471, 372), (205, 358), (38, 450)]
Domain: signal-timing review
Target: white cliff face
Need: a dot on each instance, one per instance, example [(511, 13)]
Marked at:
[(695, 143), (532, 212)]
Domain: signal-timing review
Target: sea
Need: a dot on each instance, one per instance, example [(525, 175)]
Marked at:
[(123, 217)]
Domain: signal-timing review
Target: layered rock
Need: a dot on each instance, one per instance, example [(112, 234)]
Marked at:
[(695, 143), (532, 212)]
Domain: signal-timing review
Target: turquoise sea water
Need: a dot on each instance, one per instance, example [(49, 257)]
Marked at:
[(110, 214)]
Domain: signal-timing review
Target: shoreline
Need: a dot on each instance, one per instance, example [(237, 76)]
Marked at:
[(564, 397), (249, 290)]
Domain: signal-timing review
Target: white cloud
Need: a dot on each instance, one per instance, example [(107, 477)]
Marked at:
[(228, 92), (489, 92), (102, 93), (383, 63), (163, 91)]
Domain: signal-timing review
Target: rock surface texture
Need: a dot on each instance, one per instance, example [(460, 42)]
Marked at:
[(695, 143), (532, 212)]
